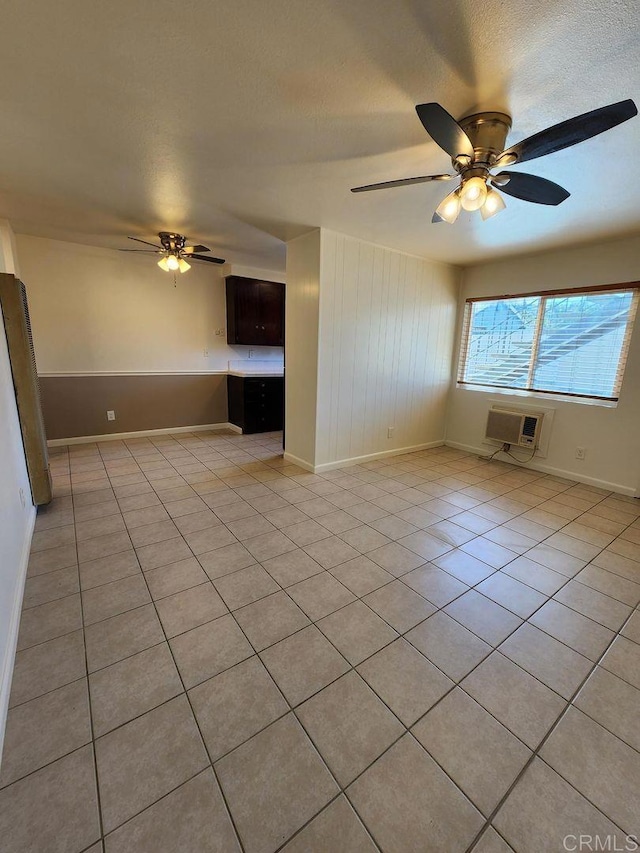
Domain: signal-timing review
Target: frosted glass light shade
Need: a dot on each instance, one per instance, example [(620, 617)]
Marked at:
[(449, 208), (473, 193), (493, 204)]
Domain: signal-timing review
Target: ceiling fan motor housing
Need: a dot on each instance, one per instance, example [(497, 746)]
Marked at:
[(172, 243), (488, 134)]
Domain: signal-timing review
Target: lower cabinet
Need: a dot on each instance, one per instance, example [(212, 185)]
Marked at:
[(256, 403)]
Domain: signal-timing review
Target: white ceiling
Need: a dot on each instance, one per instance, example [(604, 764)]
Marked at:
[(244, 123)]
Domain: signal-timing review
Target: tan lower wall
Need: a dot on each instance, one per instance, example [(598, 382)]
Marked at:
[(77, 405)]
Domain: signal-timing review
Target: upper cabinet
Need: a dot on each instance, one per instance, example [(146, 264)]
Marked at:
[(255, 312)]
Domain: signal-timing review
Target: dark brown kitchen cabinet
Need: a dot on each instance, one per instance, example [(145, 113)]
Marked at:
[(256, 403), (255, 312)]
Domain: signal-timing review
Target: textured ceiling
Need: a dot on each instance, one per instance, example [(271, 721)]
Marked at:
[(244, 123)]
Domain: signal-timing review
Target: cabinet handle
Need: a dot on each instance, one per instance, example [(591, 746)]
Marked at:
[(257, 327), (263, 327)]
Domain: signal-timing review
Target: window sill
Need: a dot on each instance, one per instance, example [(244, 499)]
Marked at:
[(539, 395)]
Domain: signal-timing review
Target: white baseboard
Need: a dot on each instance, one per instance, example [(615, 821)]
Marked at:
[(550, 469), (119, 436), (6, 671), (358, 460)]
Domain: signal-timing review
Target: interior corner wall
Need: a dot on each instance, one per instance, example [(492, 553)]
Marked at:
[(611, 436), (16, 518), (301, 348), (387, 323)]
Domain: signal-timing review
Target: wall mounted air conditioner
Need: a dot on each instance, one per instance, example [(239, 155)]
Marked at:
[(516, 428)]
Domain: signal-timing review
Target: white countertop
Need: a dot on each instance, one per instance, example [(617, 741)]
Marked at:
[(259, 368), (260, 374)]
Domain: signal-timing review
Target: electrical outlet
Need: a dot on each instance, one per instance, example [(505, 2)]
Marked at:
[(111, 415), (220, 333), (390, 432), (581, 453), (205, 352), (23, 499)]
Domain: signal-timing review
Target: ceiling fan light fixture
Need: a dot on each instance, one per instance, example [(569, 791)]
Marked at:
[(494, 203), (183, 265), (163, 263), (473, 193), (449, 208)]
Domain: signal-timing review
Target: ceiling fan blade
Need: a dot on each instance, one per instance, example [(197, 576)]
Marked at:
[(208, 258), (146, 242), (145, 251), (569, 132), (444, 130), (189, 250), (532, 188), (403, 182)]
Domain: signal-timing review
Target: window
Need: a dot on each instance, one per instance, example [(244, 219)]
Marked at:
[(558, 342)]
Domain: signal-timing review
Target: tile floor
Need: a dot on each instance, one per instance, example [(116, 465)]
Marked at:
[(221, 652)]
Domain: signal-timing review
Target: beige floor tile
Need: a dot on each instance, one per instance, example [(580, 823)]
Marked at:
[(425, 545), (303, 663), (361, 575), (438, 586), (613, 703), (393, 527), (274, 783), (44, 729), (547, 659), (543, 809), (357, 632), (54, 809), (103, 546), (145, 759), (110, 524), (209, 649), (364, 538), (235, 705), (153, 514), (491, 842), (349, 725), (610, 584), (45, 667), (396, 559), (41, 562), (623, 660), (225, 560), (175, 577), (186, 610), (464, 567), (405, 680), (331, 552), (48, 621), (337, 829), (481, 755), (338, 521), (269, 545), (122, 636), (55, 537), (209, 539), (246, 528), (320, 595), (488, 620), (108, 569), (163, 553), (572, 628), (292, 567), (132, 687), (305, 532), (597, 606), (510, 593), (519, 701), (426, 812), (451, 647), (579, 549), (195, 521), (599, 765), (535, 575), (399, 606), (42, 589), (113, 598), (245, 586), (271, 619), (489, 552), (191, 818)]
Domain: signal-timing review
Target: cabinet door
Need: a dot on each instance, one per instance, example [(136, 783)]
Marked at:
[(247, 305), (271, 314)]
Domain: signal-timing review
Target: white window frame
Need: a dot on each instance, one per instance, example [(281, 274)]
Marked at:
[(627, 287)]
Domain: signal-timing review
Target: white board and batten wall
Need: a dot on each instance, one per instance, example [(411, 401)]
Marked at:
[(610, 435), (384, 323)]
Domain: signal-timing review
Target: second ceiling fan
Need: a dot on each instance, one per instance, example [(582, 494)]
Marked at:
[(476, 145)]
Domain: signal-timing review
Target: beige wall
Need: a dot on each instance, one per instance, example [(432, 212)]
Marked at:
[(610, 435), (374, 329), (16, 517), (102, 311)]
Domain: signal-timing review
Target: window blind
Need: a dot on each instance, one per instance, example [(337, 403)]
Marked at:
[(572, 342)]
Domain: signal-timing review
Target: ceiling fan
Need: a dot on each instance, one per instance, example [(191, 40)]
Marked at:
[(175, 252), (476, 147)]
